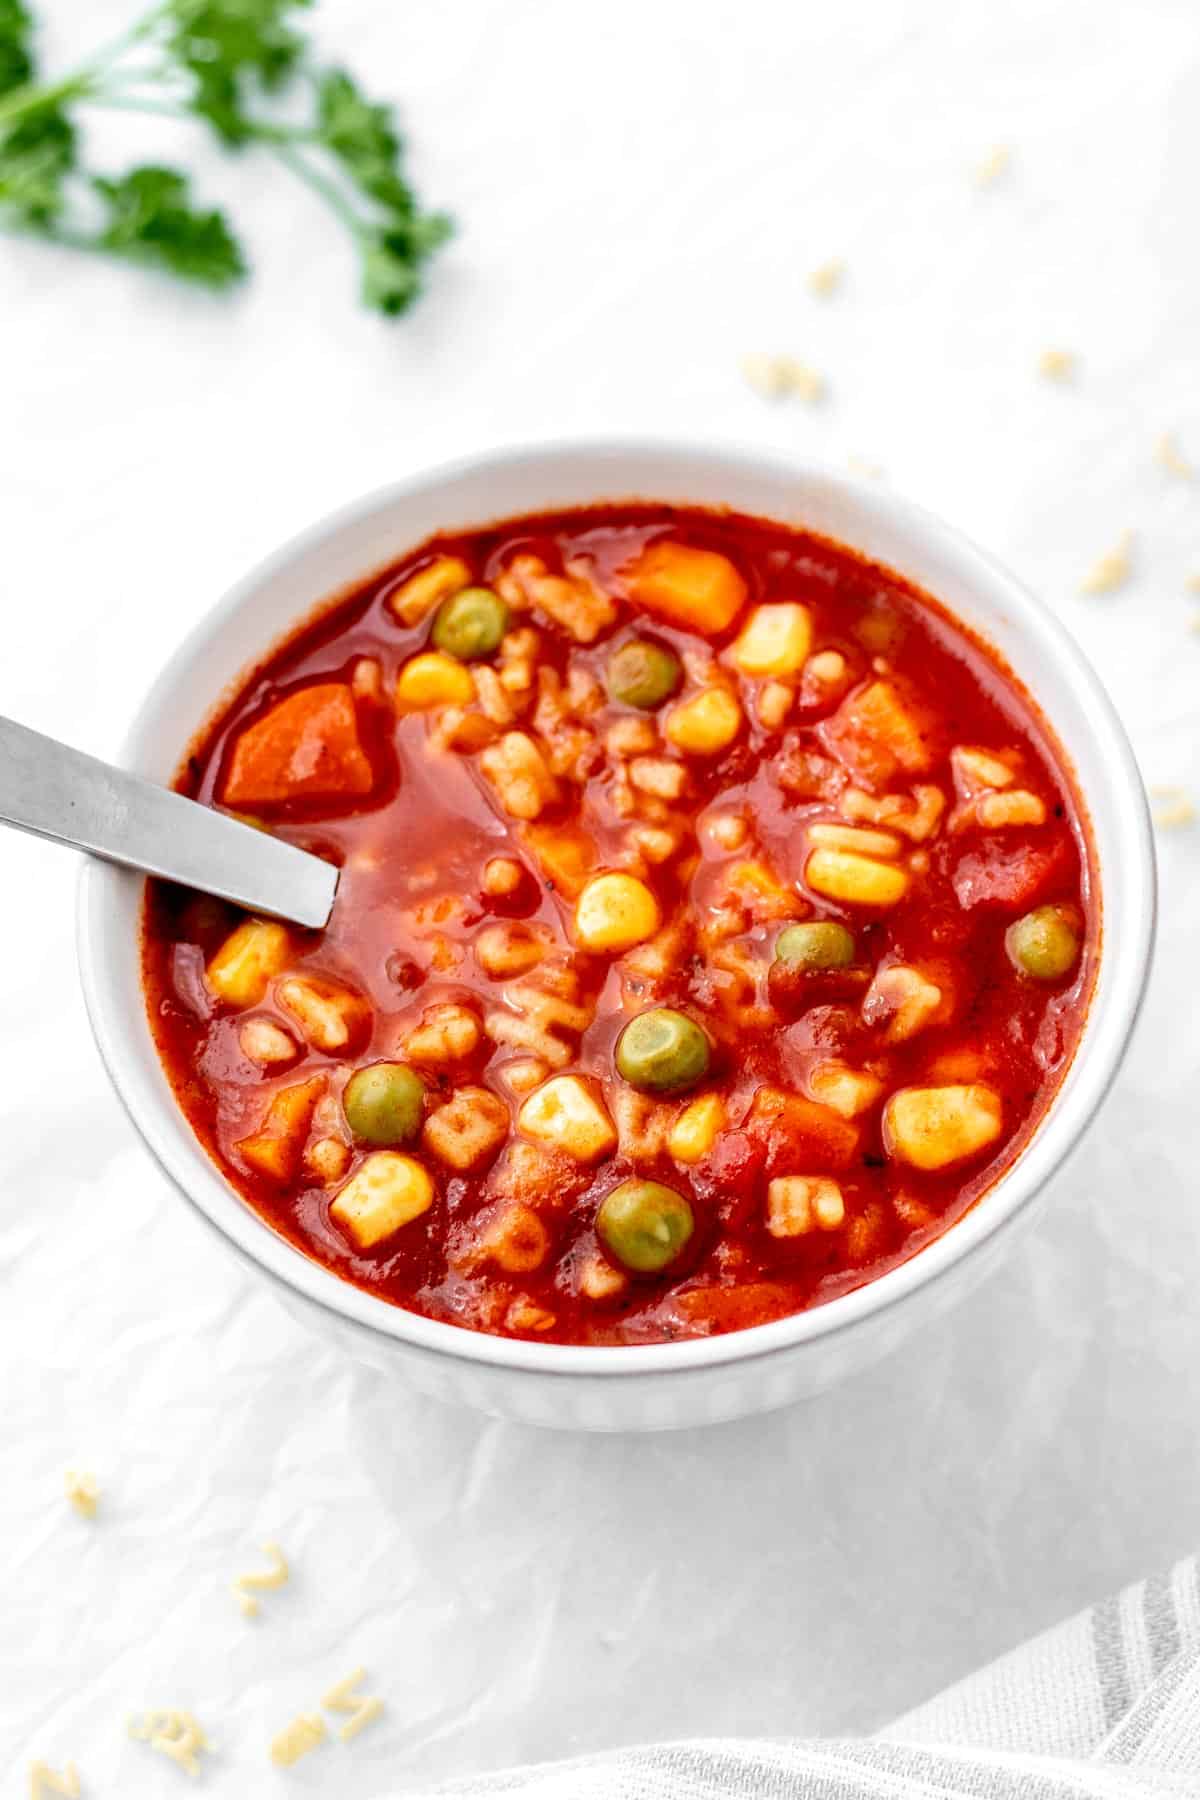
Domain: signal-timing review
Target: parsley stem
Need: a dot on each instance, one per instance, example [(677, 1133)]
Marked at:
[(32, 98), (329, 191), (115, 101)]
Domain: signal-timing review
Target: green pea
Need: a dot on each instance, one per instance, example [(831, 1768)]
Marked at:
[(662, 1052), (470, 625), (1044, 944), (383, 1104), (643, 674), (818, 944), (644, 1225)]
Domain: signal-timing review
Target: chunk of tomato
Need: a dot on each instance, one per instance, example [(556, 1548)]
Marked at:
[(1009, 875), (729, 1175), (722, 1309)]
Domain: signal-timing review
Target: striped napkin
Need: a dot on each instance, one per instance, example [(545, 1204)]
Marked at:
[(1105, 1706)]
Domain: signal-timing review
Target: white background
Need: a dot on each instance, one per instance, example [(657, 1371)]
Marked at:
[(642, 187)]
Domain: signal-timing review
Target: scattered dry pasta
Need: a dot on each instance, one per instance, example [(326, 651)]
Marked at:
[(83, 1491), (44, 1780), (274, 1577), (175, 1733), (1170, 457), (1112, 570), (862, 465), (1173, 808), (782, 378), (304, 1733), (993, 166), (1057, 365), (362, 1708), (826, 278)]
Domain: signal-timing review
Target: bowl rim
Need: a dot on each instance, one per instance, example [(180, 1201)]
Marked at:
[(1092, 1073)]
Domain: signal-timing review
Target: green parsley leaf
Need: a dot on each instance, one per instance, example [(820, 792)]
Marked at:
[(16, 55), (151, 220), (392, 257), (362, 138), (222, 62), (227, 46), (36, 156)]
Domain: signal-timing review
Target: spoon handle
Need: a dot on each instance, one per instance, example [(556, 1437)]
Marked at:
[(55, 792)]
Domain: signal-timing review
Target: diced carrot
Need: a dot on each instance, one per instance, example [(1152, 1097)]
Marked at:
[(879, 731), (274, 1149), (565, 854), (799, 1135), (698, 589), (306, 748)]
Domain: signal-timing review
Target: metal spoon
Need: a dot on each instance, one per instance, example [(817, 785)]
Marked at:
[(59, 793)]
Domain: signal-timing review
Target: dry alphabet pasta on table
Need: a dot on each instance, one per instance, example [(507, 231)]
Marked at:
[(303, 1735), (83, 1492), (1112, 570), (174, 1733), (43, 1781), (263, 1580)]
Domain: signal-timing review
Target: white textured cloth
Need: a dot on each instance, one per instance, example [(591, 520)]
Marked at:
[(1103, 1707), (642, 191)]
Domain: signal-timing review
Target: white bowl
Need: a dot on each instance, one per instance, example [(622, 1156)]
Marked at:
[(658, 1385)]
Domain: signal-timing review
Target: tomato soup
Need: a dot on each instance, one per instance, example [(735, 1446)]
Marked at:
[(715, 925)]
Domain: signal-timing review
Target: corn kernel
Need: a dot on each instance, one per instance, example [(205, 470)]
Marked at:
[(387, 1191), (847, 1091), (614, 912), (566, 1115), (705, 724), (242, 968), (415, 598), (856, 880), (936, 1126), (695, 1130), (775, 639), (432, 679)]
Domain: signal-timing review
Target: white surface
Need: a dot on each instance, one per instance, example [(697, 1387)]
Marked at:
[(640, 195), (706, 1381)]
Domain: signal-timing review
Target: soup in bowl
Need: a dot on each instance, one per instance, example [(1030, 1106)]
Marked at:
[(719, 933)]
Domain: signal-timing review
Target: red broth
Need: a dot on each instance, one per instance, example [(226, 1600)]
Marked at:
[(819, 1105)]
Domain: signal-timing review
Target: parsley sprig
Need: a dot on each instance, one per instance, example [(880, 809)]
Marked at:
[(243, 69)]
